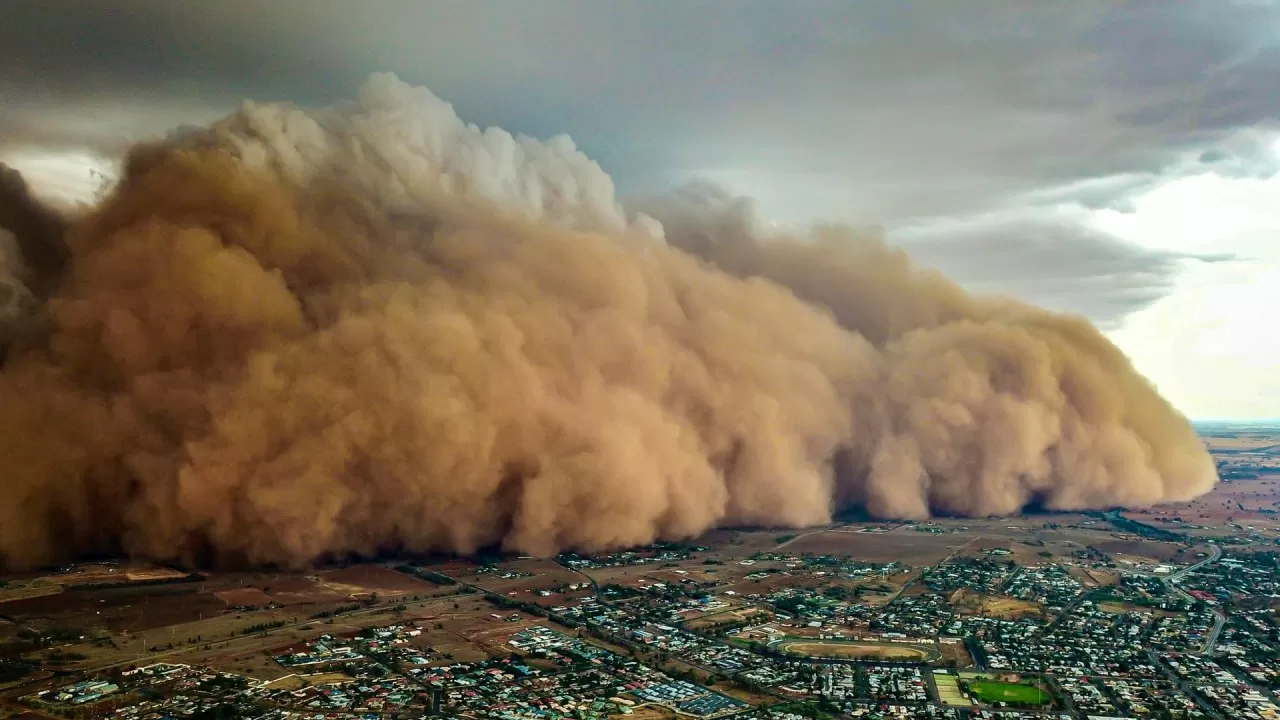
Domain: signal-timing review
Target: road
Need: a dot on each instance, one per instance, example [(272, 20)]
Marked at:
[(1219, 619), (921, 572), (803, 535), (1183, 686), (1171, 582), (595, 586), (1067, 609), (1213, 556)]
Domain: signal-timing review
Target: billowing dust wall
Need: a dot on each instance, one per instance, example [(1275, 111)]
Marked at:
[(299, 334)]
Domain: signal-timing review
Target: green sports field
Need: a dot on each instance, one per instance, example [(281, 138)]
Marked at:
[(994, 691)]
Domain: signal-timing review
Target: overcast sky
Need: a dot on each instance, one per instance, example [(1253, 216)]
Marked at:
[(1117, 159)]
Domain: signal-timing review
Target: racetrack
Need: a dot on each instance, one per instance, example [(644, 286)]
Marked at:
[(858, 650)]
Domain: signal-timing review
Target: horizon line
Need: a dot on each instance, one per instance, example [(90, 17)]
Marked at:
[(1238, 421)]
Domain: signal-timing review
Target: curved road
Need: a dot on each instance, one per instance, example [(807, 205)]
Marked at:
[(1219, 619), (1171, 583), (1213, 556)]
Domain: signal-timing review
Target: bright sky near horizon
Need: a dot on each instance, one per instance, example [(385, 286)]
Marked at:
[(1116, 160)]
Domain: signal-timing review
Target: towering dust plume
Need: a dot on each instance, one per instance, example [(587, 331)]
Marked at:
[(302, 334)]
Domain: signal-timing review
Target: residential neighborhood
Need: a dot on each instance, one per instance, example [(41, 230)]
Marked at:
[(693, 631)]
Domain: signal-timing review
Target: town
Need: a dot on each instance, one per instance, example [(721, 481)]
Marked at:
[(1055, 616)]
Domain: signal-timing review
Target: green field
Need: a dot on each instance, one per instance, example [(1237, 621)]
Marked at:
[(994, 691)]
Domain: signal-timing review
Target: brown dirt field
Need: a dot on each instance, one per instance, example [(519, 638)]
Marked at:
[(454, 567), (732, 571), (893, 584), (481, 626), (618, 575), (1023, 550), (300, 590), (696, 573), (36, 585), (1008, 608), (1254, 495), (364, 580), (727, 616), (252, 662), (1224, 502), (26, 591), (243, 596), (234, 653), (744, 695), (981, 546), (1147, 549), (470, 572), (957, 652), (527, 586), (256, 665), (90, 573), (555, 599), (1095, 578), (229, 649), (741, 543), (912, 548), (216, 631), (118, 609), (766, 585), (1241, 441), (468, 633)]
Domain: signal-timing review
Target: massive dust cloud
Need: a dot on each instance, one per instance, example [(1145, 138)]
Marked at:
[(299, 335)]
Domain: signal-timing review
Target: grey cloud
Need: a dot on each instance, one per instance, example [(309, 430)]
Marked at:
[(1110, 192), (1058, 263), (918, 108), (892, 111), (1213, 156), (1245, 154), (1052, 259)]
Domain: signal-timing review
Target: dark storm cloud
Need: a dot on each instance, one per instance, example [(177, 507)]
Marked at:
[(903, 99), (892, 111)]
